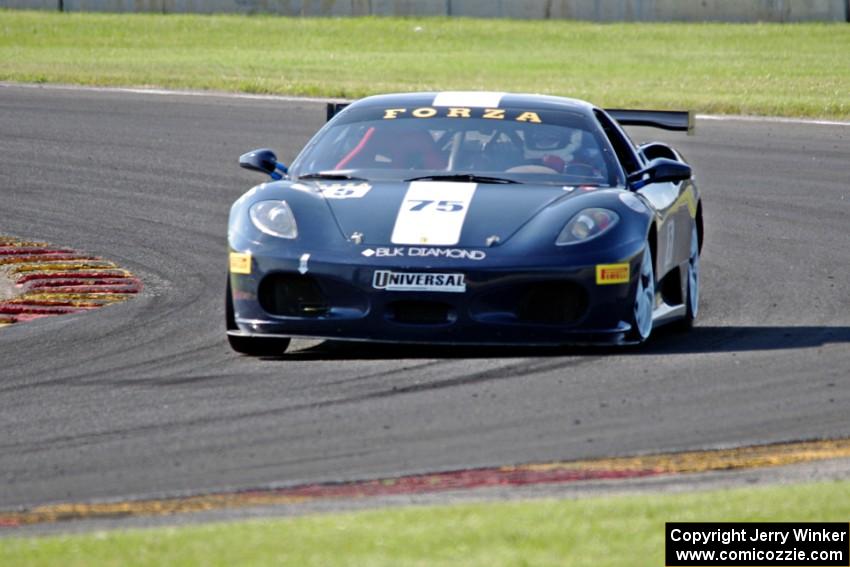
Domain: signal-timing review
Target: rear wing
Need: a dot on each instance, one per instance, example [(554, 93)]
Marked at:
[(677, 120)]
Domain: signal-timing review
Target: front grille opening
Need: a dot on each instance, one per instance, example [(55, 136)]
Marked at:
[(421, 312), (292, 295), (554, 302)]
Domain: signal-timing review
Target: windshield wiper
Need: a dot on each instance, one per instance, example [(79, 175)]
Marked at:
[(469, 177), (332, 175)]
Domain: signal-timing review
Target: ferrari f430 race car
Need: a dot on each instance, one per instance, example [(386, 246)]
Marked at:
[(467, 218)]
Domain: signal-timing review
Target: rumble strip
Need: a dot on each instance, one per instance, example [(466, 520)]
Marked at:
[(40, 280), (611, 469)]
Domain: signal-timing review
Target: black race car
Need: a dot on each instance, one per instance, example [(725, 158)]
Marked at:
[(467, 218)]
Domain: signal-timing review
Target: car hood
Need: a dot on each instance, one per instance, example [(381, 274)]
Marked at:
[(436, 213)]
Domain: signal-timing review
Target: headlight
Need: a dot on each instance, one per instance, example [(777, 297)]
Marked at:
[(586, 225), (274, 218)]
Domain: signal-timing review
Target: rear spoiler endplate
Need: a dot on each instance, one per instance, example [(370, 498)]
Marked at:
[(334, 108), (676, 120)]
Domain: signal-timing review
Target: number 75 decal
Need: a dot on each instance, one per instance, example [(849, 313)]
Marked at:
[(442, 206), (422, 217)]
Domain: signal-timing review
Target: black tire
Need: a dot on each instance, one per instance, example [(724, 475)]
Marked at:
[(252, 346)]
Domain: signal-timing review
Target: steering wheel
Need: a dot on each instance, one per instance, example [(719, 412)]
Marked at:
[(581, 169)]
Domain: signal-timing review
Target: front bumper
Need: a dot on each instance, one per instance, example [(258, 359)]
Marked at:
[(520, 300)]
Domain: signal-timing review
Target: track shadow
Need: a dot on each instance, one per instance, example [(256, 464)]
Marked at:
[(665, 341), (743, 339)]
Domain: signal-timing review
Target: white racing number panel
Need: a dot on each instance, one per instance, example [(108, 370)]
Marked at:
[(433, 213)]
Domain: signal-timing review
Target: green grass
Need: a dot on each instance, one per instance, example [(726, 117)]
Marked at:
[(599, 531), (769, 69)]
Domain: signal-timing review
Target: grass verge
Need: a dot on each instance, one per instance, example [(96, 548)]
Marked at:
[(769, 69), (599, 531)]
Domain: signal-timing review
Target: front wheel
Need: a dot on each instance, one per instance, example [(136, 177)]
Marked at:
[(252, 346), (644, 300)]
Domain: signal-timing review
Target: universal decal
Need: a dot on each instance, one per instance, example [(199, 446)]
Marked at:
[(433, 212), (407, 281)]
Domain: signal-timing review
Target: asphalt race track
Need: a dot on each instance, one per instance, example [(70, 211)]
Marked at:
[(145, 398)]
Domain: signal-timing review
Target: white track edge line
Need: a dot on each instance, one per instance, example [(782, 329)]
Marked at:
[(775, 119), (167, 92), (285, 98)]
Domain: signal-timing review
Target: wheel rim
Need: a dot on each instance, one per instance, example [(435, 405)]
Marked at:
[(693, 275), (645, 297)]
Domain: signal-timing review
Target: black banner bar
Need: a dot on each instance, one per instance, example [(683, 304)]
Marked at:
[(762, 544)]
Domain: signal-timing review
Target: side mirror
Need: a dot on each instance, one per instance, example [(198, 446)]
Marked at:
[(660, 170), (264, 161)]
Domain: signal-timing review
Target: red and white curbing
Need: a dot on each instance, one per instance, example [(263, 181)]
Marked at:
[(39, 280)]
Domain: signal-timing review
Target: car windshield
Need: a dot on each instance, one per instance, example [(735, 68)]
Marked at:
[(506, 145)]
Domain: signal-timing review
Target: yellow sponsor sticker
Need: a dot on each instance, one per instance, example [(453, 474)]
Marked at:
[(607, 274), (240, 262)]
